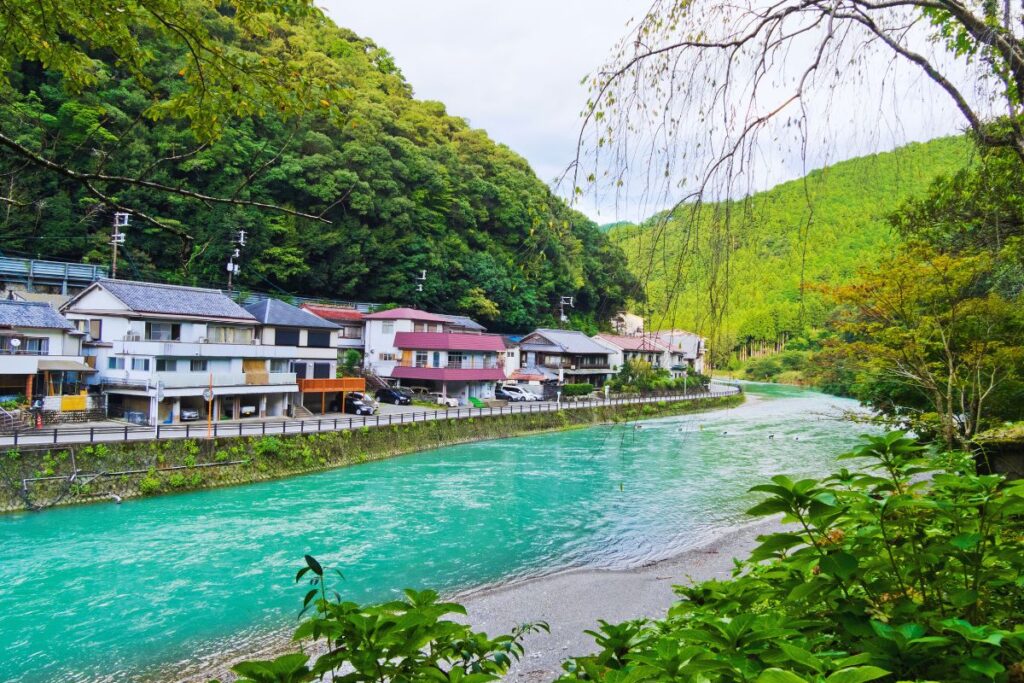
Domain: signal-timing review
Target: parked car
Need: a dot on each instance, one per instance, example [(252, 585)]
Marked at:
[(421, 393), (519, 394), (502, 395), (357, 406), (392, 395), (189, 415), (442, 400)]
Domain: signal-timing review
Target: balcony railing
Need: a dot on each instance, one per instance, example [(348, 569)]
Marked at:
[(182, 380), (8, 351), (465, 364), (318, 384)]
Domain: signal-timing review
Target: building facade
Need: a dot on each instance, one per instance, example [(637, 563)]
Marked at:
[(167, 354), (565, 356), (41, 358)]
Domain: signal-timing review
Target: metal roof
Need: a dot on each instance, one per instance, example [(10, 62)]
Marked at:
[(408, 314), (149, 297), (571, 341), (334, 313), (628, 343), (31, 314), (466, 322), (281, 314), (448, 341)]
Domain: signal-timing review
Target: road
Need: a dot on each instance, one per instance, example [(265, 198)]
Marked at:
[(387, 416)]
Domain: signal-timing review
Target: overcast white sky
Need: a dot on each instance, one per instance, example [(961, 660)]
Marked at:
[(514, 69), (511, 68)]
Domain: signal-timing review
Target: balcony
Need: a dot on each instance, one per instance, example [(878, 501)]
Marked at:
[(199, 380), (195, 349), (464, 364), (326, 384)]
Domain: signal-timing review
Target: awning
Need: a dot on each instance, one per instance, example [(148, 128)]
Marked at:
[(66, 365)]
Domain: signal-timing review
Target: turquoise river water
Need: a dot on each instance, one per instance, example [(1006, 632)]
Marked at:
[(153, 586)]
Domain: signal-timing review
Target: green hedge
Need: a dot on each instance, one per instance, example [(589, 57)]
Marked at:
[(577, 389)]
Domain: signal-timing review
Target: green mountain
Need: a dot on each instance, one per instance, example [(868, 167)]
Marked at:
[(755, 269), (406, 188)]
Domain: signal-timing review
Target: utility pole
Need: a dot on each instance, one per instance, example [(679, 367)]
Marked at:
[(563, 302), (117, 239), (234, 268)]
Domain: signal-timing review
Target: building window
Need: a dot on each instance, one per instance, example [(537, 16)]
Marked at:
[(321, 370), (115, 363), (166, 364), (421, 359), (419, 327), (455, 359), (225, 334), (36, 345), (353, 333), (510, 354), (286, 337), (198, 365), (277, 365), (319, 339), (163, 331), (387, 327), (140, 364), (299, 369), (386, 356)]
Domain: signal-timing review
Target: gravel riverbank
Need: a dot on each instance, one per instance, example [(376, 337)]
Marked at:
[(573, 601)]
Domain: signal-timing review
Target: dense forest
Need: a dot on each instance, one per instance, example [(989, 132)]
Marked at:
[(401, 185), (758, 269)]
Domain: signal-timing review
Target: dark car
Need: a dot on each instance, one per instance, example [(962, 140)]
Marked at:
[(502, 395), (357, 406), (393, 395)]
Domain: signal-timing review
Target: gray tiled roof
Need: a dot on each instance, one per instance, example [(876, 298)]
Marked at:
[(571, 341), (31, 314), (466, 322), (151, 297), (279, 313)]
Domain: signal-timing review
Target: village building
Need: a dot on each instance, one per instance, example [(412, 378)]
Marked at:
[(565, 356), (352, 332), (41, 358), (447, 354), (635, 348), (686, 351), (168, 354), (313, 343)]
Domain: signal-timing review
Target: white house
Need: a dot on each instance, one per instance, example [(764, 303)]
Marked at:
[(353, 328), (167, 353), (686, 349), (636, 348), (314, 344), (41, 357)]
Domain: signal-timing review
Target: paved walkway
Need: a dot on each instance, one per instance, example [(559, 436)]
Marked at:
[(109, 432)]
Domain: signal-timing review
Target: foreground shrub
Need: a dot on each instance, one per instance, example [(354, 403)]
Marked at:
[(888, 574), (402, 640)]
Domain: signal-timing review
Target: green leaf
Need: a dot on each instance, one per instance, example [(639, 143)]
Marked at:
[(801, 656), (314, 566), (965, 541), (779, 676), (857, 674), (842, 565)]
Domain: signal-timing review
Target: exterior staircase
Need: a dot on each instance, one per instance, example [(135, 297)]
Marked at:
[(373, 380), (301, 411), (19, 420)]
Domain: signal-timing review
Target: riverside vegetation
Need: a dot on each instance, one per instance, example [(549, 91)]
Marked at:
[(907, 569), (171, 466)]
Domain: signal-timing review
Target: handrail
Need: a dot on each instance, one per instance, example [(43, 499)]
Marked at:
[(49, 436)]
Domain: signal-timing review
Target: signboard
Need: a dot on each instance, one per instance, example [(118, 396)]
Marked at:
[(207, 395)]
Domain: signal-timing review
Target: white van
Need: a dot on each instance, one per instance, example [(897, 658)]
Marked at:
[(519, 394)]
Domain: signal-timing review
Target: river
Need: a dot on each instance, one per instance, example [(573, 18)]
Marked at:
[(128, 592)]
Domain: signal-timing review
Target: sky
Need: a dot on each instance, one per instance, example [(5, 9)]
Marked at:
[(514, 69), (511, 68)]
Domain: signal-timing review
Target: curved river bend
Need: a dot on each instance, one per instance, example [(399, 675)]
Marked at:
[(123, 592)]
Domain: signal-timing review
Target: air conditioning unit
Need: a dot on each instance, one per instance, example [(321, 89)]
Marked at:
[(133, 337), (203, 340), (255, 341)]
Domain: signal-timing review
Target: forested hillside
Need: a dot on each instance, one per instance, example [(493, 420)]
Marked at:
[(402, 186), (755, 269)]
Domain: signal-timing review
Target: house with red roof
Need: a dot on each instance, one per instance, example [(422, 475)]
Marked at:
[(448, 354)]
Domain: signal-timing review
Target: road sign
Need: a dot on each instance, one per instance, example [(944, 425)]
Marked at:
[(207, 395)]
